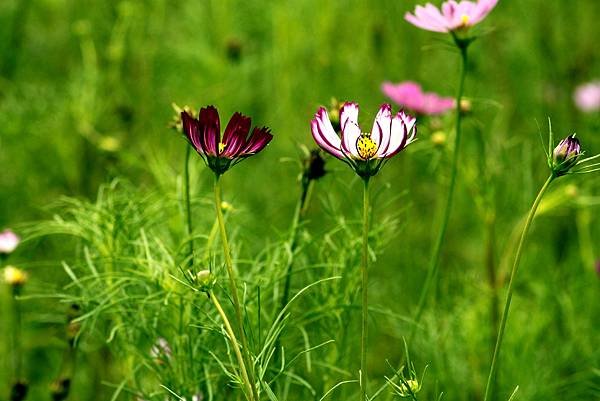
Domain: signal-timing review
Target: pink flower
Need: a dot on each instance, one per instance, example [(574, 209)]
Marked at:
[(364, 152), (587, 97), (453, 15), (410, 95), (8, 241)]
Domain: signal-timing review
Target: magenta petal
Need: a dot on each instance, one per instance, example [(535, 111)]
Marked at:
[(190, 129), (235, 136), (324, 134), (259, 138), (210, 129)]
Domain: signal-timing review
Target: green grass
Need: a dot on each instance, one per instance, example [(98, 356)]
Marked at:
[(85, 99)]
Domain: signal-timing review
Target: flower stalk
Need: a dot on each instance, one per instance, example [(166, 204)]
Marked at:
[(432, 272), (492, 375), (232, 286), (188, 205), (365, 296), (248, 387)]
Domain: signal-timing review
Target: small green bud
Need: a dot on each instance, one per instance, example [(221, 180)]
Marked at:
[(205, 280)]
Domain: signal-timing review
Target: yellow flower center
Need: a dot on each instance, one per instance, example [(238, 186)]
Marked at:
[(366, 147), (221, 147), (465, 19)]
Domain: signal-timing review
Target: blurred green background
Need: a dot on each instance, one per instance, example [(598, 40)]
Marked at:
[(85, 96)]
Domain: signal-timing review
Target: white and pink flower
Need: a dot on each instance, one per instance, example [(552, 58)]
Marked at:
[(364, 151)]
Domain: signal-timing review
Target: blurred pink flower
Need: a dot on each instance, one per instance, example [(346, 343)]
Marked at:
[(587, 97), (8, 241), (453, 15), (410, 95)]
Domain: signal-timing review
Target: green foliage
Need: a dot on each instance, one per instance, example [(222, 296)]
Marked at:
[(85, 94)]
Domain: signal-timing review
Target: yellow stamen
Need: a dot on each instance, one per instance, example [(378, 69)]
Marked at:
[(366, 147), (465, 19), (221, 147)]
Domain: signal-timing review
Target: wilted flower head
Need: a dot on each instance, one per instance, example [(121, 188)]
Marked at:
[(565, 155), (222, 152), (8, 241), (15, 276), (314, 165), (161, 350), (410, 95), (587, 97), (453, 16), (59, 389), (364, 152)]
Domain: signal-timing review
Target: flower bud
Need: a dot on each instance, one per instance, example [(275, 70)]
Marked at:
[(314, 165), (408, 388), (18, 391), (59, 390), (334, 113), (565, 155), (205, 280), (14, 276), (176, 122), (438, 138), (465, 106)]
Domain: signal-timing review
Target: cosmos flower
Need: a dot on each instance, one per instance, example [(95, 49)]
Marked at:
[(364, 152), (453, 15), (222, 152), (410, 95), (587, 97), (565, 155), (8, 241)]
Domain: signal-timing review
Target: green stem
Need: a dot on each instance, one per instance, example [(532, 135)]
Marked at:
[(437, 250), (492, 376), (232, 285), (365, 296), (249, 391), (188, 204), (17, 338)]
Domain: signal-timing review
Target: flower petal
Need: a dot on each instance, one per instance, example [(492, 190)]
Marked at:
[(190, 129), (350, 129), (234, 137), (382, 129), (257, 141), (324, 134), (403, 132), (210, 129)]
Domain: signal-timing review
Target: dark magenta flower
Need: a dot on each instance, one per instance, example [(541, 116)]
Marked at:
[(222, 152)]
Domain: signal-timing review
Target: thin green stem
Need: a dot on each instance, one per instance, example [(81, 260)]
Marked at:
[(236, 347), (492, 376), (17, 339), (232, 285), (365, 295), (188, 204), (437, 250)]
